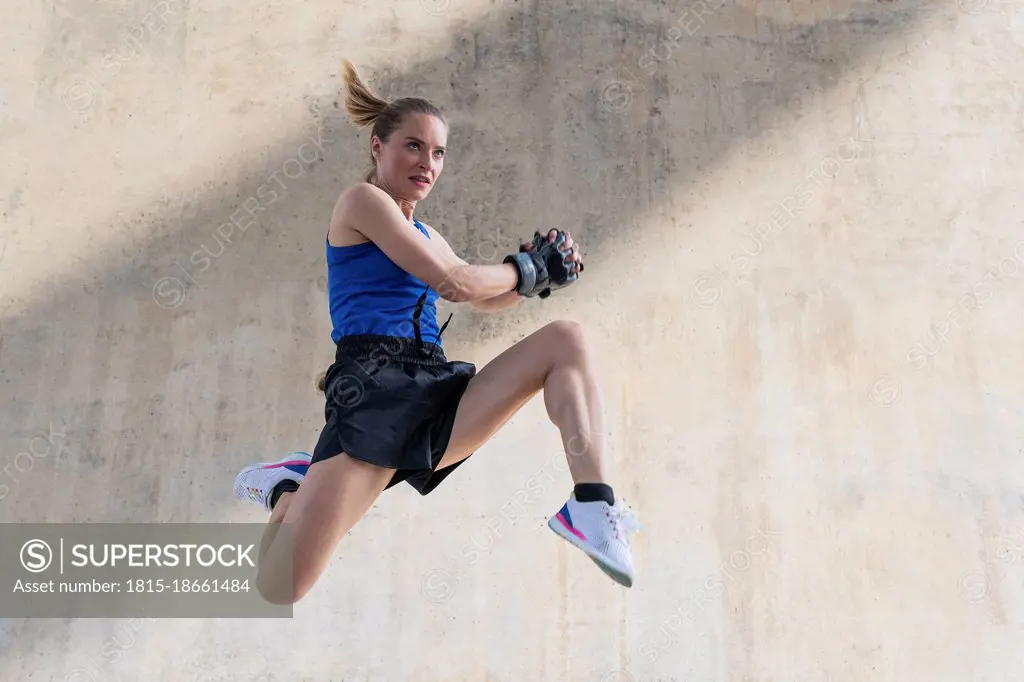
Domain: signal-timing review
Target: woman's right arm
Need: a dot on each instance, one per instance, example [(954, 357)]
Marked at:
[(374, 214)]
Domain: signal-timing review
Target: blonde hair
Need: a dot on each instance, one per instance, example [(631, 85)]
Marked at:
[(365, 108)]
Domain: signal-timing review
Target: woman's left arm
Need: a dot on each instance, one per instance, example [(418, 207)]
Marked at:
[(496, 303)]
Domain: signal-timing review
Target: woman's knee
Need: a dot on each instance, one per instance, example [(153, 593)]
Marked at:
[(568, 339), (276, 590), (280, 595)]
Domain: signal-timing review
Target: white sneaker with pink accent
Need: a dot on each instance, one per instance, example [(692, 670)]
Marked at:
[(256, 483), (600, 530)]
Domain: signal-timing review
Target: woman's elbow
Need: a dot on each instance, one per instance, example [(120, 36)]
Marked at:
[(457, 286), (459, 296)]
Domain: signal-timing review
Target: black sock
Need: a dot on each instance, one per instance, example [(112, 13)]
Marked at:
[(594, 492), (288, 486)]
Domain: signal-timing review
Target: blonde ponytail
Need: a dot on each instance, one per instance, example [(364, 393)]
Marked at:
[(361, 104)]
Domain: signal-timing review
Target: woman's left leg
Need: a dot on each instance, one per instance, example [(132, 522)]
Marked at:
[(558, 360)]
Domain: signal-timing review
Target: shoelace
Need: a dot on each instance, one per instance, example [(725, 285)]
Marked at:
[(623, 520)]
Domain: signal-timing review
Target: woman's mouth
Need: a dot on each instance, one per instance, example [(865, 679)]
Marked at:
[(420, 180)]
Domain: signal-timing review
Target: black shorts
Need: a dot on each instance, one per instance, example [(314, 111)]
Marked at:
[(392, 404)]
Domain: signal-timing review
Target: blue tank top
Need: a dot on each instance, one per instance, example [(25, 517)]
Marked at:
[(370, 294)]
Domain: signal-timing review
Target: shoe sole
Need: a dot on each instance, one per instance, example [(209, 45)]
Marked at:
[(609, 570)]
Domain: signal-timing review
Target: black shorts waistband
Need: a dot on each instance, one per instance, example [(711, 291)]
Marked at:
[(396, 348)]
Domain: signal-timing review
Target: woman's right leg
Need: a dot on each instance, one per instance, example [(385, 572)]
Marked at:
[(334, 495)]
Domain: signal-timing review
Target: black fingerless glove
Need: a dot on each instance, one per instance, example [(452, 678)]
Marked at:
[(544, 269)]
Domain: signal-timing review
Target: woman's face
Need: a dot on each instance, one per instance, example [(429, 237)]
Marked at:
[(411, 160)]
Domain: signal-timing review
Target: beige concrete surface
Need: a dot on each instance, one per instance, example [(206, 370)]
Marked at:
[(802, 224)]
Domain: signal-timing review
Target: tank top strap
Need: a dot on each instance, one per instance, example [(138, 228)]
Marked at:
[(422, 229), (421, 301)]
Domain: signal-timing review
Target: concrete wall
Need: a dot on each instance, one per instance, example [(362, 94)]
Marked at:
[(802, 227)]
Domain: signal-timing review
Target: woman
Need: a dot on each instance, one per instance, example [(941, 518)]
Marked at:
[(396, 408)]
